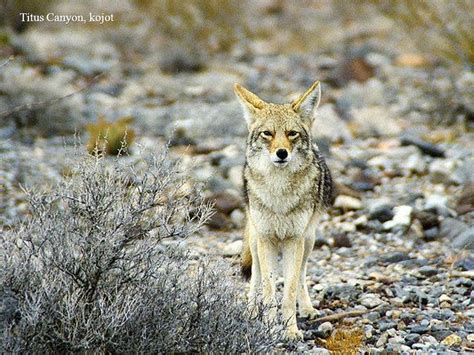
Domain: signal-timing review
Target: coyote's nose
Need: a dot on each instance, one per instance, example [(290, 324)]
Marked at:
[(282, 154)]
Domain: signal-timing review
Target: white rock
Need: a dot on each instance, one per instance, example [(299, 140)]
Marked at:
[(326, 328), (361, 221), (232, 249), (441, 170), (415, 164), (437, 202), (380, 161), (237, 217), (347, 203), (402, 217), (370, 300), (445, 298)]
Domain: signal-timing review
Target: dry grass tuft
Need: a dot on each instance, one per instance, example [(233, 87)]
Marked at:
[(110, 137), (344, 341)]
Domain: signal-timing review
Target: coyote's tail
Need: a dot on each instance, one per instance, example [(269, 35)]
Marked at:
[(246, 257)]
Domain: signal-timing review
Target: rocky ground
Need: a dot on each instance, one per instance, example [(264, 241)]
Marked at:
[(399, 240)]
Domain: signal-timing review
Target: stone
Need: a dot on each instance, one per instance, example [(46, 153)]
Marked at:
[(225, 202), (441, 170), (347, 203), (428, 271), (450, 228), (445, 298), (219, 221), (431, 234), (425, 147), (361, 221), (465, 203), (232, 249), (419, 329), (370, 300), (342, 241), (238, 218), (427, 219), (387, 326), (402, 217), (382, 213), (414, 164), (395, 257), (437, 203), (452, 340), (382, 340), (326, 329), (465, 240)]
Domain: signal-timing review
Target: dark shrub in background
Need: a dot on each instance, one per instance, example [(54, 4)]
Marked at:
[(89, 271)]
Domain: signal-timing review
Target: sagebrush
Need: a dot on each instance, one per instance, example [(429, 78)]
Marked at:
[(90, 272)]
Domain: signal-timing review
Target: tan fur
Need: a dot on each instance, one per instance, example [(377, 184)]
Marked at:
[(285, 196)]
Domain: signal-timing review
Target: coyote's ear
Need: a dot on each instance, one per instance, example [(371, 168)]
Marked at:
[(250, 102), (308, 102)]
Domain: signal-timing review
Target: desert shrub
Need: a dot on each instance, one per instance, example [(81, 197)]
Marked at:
[(110, 137), (440, 28), (199, 26), (98, 269), (32, 100)]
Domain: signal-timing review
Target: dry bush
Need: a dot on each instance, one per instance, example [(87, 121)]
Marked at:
[(440, 28), (89, 271), (199, 26)]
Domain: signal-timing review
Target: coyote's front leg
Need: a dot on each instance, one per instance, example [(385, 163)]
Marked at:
[(267, 257), (292, 250)]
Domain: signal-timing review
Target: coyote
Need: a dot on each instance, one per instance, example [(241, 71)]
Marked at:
[(287, 185)]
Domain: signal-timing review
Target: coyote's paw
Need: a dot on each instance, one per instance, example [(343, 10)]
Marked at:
[(293, 334), (308, 312)]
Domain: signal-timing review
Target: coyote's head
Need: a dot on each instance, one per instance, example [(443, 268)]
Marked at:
[(279, 134)]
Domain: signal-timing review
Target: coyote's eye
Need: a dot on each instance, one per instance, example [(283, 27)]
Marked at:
[(292, 134), (266, 134)]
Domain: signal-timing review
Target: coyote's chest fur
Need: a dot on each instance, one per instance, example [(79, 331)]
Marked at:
[(281, 203)]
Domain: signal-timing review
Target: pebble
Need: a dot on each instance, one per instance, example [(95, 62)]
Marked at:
[(441, 171), (238, 218), (382, 213), (425, 147), (370, 300), (382, 340), (445, 298), (428, 271), (232, 249), (342, 241), (452, 340), (465, 240), (347, 203), (415, 164), (402, 217), (326, 329), (437, 203), (225, 202)]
